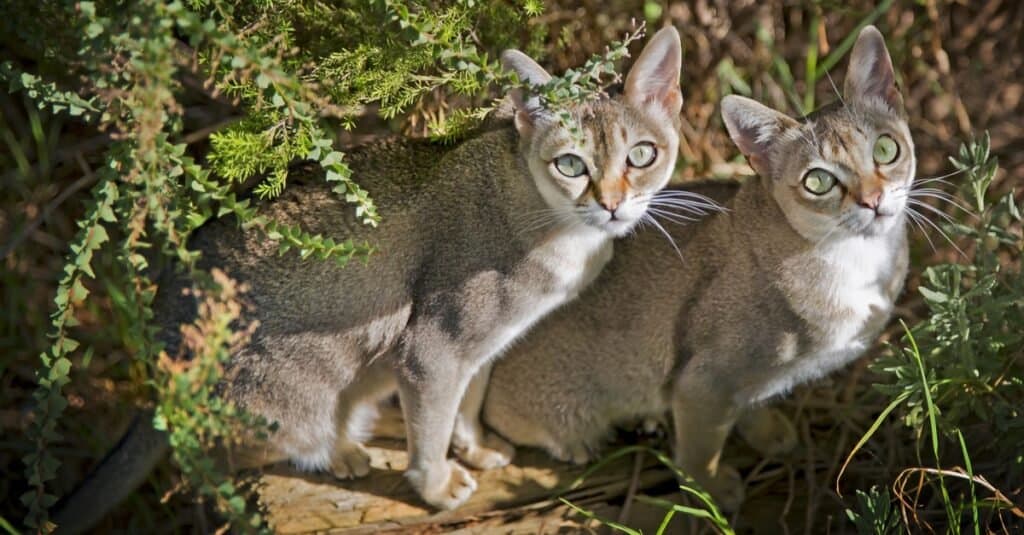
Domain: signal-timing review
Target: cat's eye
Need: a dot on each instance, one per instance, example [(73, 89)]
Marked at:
[(819, 181), (886, 149), (641, 155), (570, 165)]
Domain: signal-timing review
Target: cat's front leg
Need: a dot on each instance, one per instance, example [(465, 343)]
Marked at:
[(430, 388), (703, 414), (470, 442)]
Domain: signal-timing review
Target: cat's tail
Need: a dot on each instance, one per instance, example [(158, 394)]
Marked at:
[(120, 472)]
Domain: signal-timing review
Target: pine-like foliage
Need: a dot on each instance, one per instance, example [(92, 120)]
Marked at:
[(291, 73)]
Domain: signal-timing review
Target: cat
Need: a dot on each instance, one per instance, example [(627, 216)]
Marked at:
[(477, 242), (797, 279)]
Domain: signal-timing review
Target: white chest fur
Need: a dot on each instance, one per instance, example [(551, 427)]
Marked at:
[(859, 293), (845, 304)]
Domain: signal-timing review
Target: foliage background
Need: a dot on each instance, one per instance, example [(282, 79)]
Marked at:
[(314, 75)]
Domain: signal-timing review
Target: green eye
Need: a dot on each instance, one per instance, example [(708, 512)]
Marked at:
[(819, 181), (570, 165), (641, 155), (886, 149)]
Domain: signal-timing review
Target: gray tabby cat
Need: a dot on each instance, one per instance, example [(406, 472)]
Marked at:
[(478, 242), (795, 281)]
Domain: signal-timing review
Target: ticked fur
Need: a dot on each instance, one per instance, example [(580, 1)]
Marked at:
[(793, 282), (478, 242)]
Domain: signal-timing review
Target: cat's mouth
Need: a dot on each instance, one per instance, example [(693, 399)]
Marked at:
[(618, 226), (616, 222), (873, 222)]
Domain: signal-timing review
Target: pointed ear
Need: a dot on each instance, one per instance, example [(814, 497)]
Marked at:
[(870, 78), (754, 128), (654, 78), (527, 107)]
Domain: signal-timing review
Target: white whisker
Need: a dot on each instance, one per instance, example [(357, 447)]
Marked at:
[(681, 195), (915, 219), (674, 218), (941, 232), (665, 233), (686, 205), (836, 89), (945, 217), (918, 195)]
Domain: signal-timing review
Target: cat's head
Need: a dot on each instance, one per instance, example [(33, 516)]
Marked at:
[(845, 170), (606, 175)]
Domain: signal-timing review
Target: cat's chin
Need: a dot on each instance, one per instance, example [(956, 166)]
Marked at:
[(618, 227), (880, 225)]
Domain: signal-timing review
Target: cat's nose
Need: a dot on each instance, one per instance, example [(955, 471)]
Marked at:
[(610, 204), (871, 199)]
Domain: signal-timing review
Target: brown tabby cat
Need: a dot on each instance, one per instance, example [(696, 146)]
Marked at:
[(795, 281), (478, 242)]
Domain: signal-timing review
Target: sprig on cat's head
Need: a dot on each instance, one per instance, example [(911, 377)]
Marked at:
[(533, 88)]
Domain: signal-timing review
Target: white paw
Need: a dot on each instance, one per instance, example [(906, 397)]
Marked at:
[(769, 431), (445, 486), (495, 453), (650, 425), (350, 461)]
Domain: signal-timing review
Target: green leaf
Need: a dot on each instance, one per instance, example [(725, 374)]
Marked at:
[(932, 295)]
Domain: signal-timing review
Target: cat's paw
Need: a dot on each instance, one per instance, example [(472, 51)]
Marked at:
[(350, 461), (494, 453), (650, 426), (446, 487), (577, 454), (769, 431), (727, 488)]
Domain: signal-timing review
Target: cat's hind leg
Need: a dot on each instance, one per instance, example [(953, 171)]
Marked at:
[(354, 417), (768, 431), (471, 444)]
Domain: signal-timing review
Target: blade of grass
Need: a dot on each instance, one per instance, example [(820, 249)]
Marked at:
[(7, 526), (712, 513), (868, 434), (716, 514), (970, 474), (810, 68), (604, 521), (847, 43), (932, 425), (667, 505), (605, 461), (665, 521)]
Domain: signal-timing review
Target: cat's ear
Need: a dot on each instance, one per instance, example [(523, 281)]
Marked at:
[(870, 78), (754, 128), (528, 108), (654, 78)]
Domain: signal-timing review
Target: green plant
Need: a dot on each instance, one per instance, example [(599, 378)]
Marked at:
[(706, 508), (960, 367), (875, 514)]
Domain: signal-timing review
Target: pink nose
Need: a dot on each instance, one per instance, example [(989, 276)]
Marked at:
[(871, 199), (610, 204)]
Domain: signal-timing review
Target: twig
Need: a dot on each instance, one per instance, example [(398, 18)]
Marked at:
[(87, 178), (634, 482), (959, 473), (63, 155), (205, 131)]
